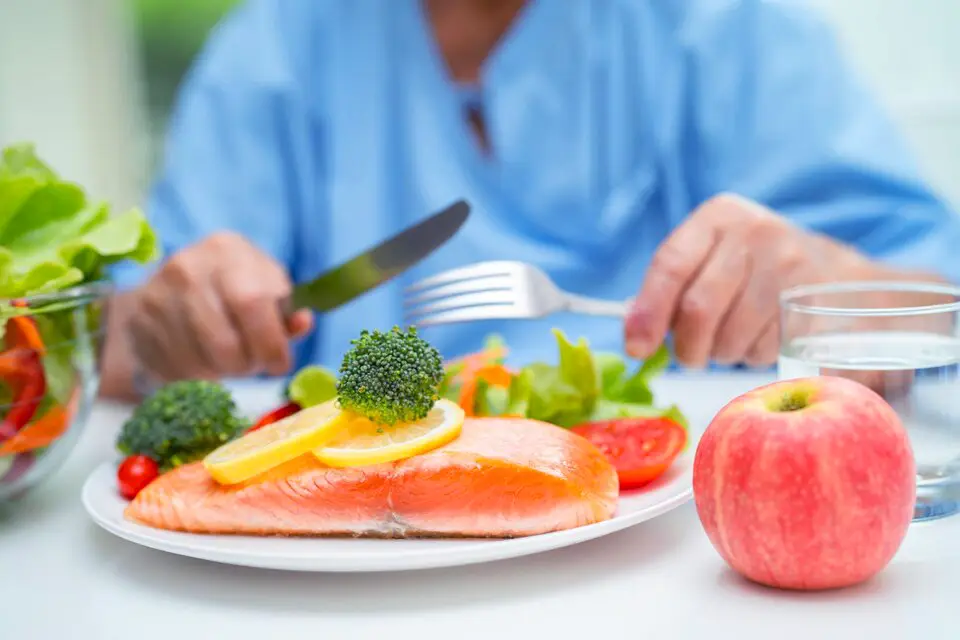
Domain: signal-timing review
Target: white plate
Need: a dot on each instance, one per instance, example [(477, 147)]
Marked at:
[(105, 506)]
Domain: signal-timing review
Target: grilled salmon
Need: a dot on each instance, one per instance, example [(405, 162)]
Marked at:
[(502, 478)]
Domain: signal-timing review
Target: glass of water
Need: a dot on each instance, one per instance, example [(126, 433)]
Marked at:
[(901, 339)]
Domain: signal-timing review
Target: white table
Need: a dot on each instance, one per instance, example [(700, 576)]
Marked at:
[(62, 578)]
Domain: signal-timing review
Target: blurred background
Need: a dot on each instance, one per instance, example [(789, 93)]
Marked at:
[(92, 81)]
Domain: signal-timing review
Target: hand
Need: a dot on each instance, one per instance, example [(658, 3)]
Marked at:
[(212, 311), (715, 282)]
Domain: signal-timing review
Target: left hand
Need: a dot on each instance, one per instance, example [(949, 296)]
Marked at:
[(716, 280)]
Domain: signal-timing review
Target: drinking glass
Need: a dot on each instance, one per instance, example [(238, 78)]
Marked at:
[(901, 339)]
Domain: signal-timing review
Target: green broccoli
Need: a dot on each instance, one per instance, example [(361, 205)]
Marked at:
[(390, 377), (182, 422)]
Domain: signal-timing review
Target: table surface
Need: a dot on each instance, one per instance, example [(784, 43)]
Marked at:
[(63, 577)]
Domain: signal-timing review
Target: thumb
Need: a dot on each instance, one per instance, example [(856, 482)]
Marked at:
[(300, 323)]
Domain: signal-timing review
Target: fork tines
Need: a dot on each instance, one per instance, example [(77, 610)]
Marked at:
[(482, 291)]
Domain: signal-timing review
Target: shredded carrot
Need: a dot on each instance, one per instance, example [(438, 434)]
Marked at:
[(496, 375), (473, 362), (42, 432)]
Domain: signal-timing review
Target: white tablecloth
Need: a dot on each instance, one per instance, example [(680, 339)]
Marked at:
[(62, 578)]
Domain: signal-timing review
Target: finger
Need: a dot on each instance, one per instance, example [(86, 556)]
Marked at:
[(752, 310), (148, 354), (764, 350), (300, 323), (204, 341), (674, 265), (707, 300), (147, 341), (251, 290), (215, 335)]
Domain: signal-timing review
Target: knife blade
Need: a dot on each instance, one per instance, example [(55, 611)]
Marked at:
[(379, 264)]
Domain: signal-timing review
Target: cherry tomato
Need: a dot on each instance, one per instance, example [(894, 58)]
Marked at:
[(135, 473), (641, 449)]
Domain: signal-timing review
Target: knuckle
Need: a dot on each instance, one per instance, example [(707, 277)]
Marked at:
[(225, 349), (275, 278), (152, 302), (180, 271), (225, 240), (248, 301), (724, 200), (138, 331), (791, 258), (669, 262), (762, 231), (695, 308), (727, 203)]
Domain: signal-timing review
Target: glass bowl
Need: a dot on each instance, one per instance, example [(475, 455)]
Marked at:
[(49, 377)]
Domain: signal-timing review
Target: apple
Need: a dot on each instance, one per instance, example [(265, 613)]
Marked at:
[(806, 484)]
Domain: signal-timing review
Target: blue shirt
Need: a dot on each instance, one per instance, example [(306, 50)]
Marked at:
[(317, 128)]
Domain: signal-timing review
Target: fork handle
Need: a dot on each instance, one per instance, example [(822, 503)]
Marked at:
[(595, 307)]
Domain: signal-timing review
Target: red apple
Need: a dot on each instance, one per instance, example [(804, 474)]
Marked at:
[(806, 484)]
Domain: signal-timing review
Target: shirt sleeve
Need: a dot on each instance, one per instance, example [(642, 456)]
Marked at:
[(235, 144), (778, 115)]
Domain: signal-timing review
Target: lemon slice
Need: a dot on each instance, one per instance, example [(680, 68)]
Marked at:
[(360, 442), (274, 444)]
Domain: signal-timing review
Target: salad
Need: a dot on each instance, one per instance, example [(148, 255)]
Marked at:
[(53, 238), (596, 395)]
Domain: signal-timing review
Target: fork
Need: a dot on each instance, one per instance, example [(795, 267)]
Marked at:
[(496, 290)]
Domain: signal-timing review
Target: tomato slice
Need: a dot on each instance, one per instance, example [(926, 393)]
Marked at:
[(641, 449)]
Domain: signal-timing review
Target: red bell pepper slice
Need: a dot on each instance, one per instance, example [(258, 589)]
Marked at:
[(276, 415), (21, 367), (22, 333)]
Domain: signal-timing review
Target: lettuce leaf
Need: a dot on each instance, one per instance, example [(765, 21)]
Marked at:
[(577, 369), (581, 387), (635, 388), (52, 237), (491, 400)]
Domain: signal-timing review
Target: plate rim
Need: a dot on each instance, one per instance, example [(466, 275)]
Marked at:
[(197, 546)]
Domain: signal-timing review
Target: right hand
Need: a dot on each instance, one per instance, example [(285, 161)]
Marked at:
[(212, 311)]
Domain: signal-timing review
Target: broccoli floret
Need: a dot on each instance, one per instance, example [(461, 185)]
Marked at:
[(182, 422), (390, 377)]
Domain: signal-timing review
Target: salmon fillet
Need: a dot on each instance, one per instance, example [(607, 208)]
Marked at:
[(501, 478)]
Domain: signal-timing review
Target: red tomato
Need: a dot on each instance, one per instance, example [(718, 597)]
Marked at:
[(135, 473), (641, 449)]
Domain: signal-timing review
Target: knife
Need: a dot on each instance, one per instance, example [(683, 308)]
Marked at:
[(379, 264)]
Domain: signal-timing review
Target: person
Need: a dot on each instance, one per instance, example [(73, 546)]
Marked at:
[(693, 157)]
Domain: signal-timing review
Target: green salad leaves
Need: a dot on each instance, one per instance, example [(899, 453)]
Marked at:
[(52, 237), (581, 387)]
